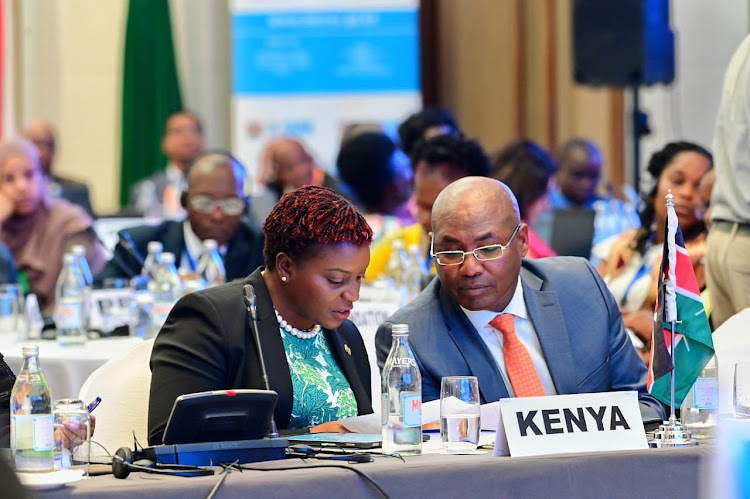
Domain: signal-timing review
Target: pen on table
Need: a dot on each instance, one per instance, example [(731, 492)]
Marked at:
[(94, 404)]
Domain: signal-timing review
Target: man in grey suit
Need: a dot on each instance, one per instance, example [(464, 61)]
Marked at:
[(567, 321)]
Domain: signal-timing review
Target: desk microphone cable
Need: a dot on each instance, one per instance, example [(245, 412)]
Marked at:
[(370, 481)]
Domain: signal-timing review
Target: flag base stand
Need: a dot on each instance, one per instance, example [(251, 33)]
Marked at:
[(672, 434)]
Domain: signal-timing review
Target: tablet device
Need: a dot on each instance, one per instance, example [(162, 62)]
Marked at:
[(573, 232), (344, 440), (220, 416)]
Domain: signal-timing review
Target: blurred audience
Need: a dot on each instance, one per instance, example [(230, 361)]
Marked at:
[(286, 165), (630, 262), (425, 124), (437, 162), (528, 170), (42, 135), (728, 266), (215, 207), (377, 177), (37, 228), (159, 195)]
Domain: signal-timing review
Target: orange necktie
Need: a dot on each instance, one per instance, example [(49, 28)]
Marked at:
[(521, 370)]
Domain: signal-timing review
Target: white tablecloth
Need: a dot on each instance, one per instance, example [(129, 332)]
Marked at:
[(66, 368)]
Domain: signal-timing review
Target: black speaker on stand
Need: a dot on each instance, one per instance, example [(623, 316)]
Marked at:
[(624, 43)]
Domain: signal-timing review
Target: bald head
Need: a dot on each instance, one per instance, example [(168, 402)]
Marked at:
[(481, 193), (42, 135), (207, 165)]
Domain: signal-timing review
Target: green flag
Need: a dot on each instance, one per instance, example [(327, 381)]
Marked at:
[(150, 90)]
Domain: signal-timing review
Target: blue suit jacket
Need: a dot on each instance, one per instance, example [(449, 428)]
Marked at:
[(576, 319), (244, 251)]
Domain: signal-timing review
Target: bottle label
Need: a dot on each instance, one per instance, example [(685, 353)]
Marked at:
[(411, 408), (160, 311), (44, 432), (706, 393), (68, 315), (32, 431)]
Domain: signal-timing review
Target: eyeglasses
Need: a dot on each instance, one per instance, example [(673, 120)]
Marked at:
[(483, 254), (206, 205)]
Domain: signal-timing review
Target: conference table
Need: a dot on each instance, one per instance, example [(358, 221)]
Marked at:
[(67, 367), (626, 474)]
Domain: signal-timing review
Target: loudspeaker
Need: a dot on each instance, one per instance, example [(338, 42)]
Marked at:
[(622, 43), (122, 465)]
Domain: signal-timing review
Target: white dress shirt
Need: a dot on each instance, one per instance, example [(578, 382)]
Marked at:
[(194, 248), (524, 330)]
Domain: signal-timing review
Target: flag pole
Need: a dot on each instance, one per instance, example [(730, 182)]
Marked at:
[(672, 418)]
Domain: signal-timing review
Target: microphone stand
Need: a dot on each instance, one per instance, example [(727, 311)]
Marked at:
[(249, 295)]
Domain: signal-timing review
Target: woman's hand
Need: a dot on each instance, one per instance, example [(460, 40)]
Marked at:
[(329, 427), (7, 206)]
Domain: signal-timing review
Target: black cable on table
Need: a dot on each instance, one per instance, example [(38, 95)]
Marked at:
[(364, 475)]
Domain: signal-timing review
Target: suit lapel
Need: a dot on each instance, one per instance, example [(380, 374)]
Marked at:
[(476, 355), (546, 316), (273, 350), (346, 364)]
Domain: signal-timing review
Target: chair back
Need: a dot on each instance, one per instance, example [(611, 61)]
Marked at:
[(123, 383)]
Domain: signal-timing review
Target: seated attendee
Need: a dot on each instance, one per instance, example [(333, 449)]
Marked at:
[(578, 174), (522, 327), (425, 124), (528, 170), (286, 165), (159, 194), (38, 229), (316, 252), (377, 176), (630, 262), (42, 135), (436, 162), (215, 207)]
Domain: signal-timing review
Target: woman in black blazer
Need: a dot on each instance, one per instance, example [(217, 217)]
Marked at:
[(317, 248)]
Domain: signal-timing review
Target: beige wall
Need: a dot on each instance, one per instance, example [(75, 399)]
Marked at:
[(70, 60)]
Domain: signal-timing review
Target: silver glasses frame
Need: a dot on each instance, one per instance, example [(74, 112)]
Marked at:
[(463, 254), (222, 204)]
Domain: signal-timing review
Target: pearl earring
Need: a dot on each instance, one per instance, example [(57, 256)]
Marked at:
[(283, 278)]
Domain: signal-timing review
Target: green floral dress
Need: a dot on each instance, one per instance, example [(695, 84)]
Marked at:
[(321, 391)]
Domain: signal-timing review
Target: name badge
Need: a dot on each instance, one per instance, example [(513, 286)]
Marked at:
[(587, 422)]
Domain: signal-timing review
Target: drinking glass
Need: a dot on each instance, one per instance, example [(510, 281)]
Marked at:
[(459, 413), (72, 435), (742, 389)]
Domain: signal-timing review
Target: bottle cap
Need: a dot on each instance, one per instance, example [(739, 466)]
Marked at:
[(69, 258), (78, 249), (167, 258), (399, 329), (210, 244), (30, 350), (398, 244), (155, 247)]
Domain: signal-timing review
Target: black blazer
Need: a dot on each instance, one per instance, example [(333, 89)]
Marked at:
[(206, 344), (244, 251)]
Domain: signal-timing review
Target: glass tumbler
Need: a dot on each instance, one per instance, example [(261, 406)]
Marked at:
[(72, 435)]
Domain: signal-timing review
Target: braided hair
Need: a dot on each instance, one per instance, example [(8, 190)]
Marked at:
[(656, 166), (308, 218)]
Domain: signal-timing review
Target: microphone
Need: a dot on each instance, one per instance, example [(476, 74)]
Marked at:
[(129, 246), (111, 255), (249, 296)]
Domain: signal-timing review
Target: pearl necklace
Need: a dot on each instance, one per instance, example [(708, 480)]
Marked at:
[(299, 333)]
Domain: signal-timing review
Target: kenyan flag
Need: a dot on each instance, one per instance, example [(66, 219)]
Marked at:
[(679, 300)]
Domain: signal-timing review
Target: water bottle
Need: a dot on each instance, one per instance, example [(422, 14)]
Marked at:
[(700, 409), (415, 272), (31, 423), (401, 397), (142, 317), (79, 250), (153, 259), (166, 289), (70, 296), (211, 267)]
